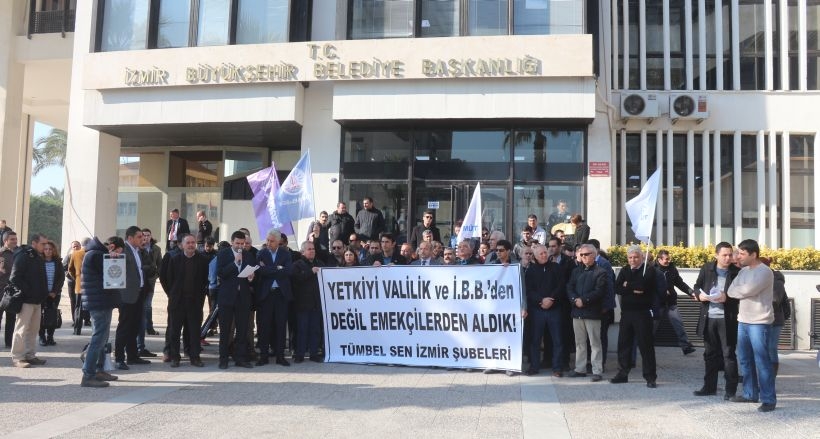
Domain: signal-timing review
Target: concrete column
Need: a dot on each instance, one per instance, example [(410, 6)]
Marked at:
[(13, 124), (92, 158), (319, 128)]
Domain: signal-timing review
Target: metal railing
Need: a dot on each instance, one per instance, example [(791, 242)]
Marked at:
[(47, 22)]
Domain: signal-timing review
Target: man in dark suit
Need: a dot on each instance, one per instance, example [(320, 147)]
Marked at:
[(234, 299), (187, 278), (137, 272), (175, 227), (465, 253), (272, 298), (425, 252), (427, 223)]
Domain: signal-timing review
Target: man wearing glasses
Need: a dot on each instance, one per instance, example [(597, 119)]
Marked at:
[(337, 254), (427, 223), (586, 290)]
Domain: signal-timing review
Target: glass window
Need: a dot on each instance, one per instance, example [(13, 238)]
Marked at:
[(262, 21), (194, 169), (388, 196), (531, 17), (487, 17), (439, 18), (125, 25), (382, 19), (377, 146), (239, 162), (174, 23), (748, 163), (542, 201), (462, 155), (813, 43), (727, 186), (801, 184), (213, 27), (752, 45), (142, 170)]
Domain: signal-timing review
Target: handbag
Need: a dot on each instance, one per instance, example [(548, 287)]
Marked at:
[(51, 318), (12, 300)]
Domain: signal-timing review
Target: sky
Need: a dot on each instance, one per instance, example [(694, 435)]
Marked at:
[(48, 177)]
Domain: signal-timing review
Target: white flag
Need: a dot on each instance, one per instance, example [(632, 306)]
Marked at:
[(641, 209), (471, 227)]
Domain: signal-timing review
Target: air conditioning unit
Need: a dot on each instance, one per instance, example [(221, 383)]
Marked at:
[(688, 106), (639, 106)]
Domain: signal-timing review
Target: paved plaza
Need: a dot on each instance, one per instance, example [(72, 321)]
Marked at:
[(313, 400)]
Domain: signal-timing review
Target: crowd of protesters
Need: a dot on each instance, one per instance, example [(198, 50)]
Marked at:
[(569, 285)]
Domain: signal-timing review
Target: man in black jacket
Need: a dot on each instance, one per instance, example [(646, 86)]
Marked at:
[(718, 321), (669, 306), (588, 286), (29, 274), (175, 227), (187, 277), (545, 289), (427, 223), (637, 288), (340, 224), (369, 221), (234, 299), (308, 304)]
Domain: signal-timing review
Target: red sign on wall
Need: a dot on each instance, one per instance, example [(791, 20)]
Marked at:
[(599, 169)]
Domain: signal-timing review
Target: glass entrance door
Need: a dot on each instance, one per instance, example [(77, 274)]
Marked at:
[(451, 200)]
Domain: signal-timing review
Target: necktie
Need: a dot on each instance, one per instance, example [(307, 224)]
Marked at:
[(424, 262), (173, 235)]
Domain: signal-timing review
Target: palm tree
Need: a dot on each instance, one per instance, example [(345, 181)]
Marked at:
[(54, 193), (49, 150)]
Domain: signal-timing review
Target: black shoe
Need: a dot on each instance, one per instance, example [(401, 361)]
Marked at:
[(87, 322), (619, 379), (740, 398), (317, 358), (223, 364), (122, 366), (147, 354), (531, 372), (93, 382), (43, 342), (138, 361), (152, 331), (688, 350), (262, 361), (704, 392), (727, 396), (766, 407), (50, 341), (196, 362), (282, 361), (78, 331), (574, 374), (298, 359), (651, 384), (175, 363), (244, 364)]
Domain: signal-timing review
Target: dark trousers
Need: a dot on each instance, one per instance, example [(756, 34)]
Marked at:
[(636, 325), (308, 333), (187, 313), (718, 352), (72, 297), (271, 321), (128, 327), (541, 319), (230, 315), (11, 320)]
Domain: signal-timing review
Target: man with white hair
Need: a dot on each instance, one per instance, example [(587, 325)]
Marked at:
[(637, 288), (587, 288)]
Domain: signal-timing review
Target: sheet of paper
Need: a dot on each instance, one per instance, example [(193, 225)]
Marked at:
[(248, 270)]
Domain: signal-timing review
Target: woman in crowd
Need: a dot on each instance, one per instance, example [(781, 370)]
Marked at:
[(350, 258), (55, 277)]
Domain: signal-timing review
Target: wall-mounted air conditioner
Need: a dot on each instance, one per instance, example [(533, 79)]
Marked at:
[(639, 106), (688, 106)]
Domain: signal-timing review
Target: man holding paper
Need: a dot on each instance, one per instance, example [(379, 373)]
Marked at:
[(718, 321), (235, 268)]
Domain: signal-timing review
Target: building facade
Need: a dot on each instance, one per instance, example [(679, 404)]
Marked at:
[(171, 104)]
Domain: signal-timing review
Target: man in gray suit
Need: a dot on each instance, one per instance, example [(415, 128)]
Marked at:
[(425, 252), (137, 272)]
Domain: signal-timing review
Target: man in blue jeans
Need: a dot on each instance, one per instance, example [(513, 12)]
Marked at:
[(100, 304), (754, 287)]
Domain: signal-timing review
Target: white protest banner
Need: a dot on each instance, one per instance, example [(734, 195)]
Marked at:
[(451, 316)]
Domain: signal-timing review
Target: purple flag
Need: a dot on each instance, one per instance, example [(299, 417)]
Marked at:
[(264, 185)]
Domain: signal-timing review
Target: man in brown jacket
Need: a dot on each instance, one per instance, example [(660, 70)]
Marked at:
[(75, 266)]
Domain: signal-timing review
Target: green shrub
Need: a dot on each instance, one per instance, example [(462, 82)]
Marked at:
[(695, 257)]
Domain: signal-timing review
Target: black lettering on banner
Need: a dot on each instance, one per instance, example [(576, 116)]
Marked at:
[(360, 350), (494, 322), (401, 351), (418, 321), (482, 353), (351, 320)]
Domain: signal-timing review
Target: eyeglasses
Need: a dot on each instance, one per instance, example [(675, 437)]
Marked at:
[(583, 255), (428, 216)]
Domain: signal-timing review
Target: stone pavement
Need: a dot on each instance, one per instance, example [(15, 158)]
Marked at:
[(313, 400)]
